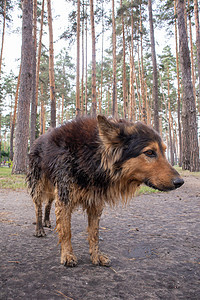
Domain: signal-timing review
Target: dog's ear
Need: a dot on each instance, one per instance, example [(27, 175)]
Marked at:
[(108, 131)]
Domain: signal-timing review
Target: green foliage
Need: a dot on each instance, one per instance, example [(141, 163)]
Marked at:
[(4, 153), (146, 190), (9, 8)]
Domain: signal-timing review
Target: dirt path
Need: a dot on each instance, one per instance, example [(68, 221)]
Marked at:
[(154, 245)]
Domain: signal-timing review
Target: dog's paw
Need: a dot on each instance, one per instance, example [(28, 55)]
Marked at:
[(100, 259), (40, 232), (69, 260), (47, 223)]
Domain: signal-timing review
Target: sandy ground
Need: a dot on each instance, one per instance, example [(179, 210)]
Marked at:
[(154, 245)]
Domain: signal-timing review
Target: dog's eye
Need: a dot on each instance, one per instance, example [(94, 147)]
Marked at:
[(150, 153)]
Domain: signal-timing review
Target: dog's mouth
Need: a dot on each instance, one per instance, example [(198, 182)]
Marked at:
[(160, 188)]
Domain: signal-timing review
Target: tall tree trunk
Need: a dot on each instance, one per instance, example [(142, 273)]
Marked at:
[(148, 109), (3, 35), (178, 87), (42, 118), (63, 88), (155, 75), (86, 60), (42, 112), (144, 114), (132, 111), (14, 116), (62, 112), (185, 16), (114, 94), (33, 99), (170, 134), (0, 137), (140, 80), (190, 147), (196, 14), (22, 130), (124, 83), (191, 52), (170, 119), (82, 79), (94, 102), (102, 49), (39, 54), (78, 111), (1, 57), (51, 67), (132, 73)]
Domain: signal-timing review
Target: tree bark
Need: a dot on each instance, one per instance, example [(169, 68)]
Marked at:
[(94, 102), (33, 99), (196, 14), (3, 35), (39, 54), (132, 73), (22, 130), (14, 117), (102, 50), (191, 52), (144, 114), (178, 87), (124, 83), (0, 137), (155, 73), (114, 94), (42, 113), (78, 111), (138, 87), (190, 140), (86, 61), (51, 67), (82, 79)]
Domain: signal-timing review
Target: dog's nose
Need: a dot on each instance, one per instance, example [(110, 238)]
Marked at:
[(178, 182)]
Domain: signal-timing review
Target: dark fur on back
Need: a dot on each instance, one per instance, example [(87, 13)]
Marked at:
[(89, 162), (73, 153)]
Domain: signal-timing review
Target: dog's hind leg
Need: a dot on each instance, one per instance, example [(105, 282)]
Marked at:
[(97, 258), (47, 222), (50, 196), (63, 227), (39, 232), (38, 199)]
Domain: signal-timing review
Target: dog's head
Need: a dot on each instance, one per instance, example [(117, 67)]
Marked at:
[(136, 153)]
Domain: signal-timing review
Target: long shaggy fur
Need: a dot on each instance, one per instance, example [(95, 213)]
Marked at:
[(91, 162)]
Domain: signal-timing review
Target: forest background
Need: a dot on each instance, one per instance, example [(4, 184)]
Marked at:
[(90, 58)]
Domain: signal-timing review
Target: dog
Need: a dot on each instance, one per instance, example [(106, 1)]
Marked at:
[(89, 162)]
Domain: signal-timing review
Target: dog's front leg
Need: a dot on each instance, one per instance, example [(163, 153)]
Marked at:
[(63, 227), (98, 258)]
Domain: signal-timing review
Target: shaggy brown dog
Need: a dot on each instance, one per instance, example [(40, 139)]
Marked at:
[(89, 163)]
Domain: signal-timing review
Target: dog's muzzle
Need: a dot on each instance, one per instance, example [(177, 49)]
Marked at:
[(177, 182)]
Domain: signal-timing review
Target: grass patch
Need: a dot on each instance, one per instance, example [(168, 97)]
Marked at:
[(186, 172), (9, 181), (146, 190)]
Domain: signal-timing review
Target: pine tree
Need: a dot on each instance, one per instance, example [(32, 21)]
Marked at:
[(155, 76), (22, 130), (190, 141), (51, 67)]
